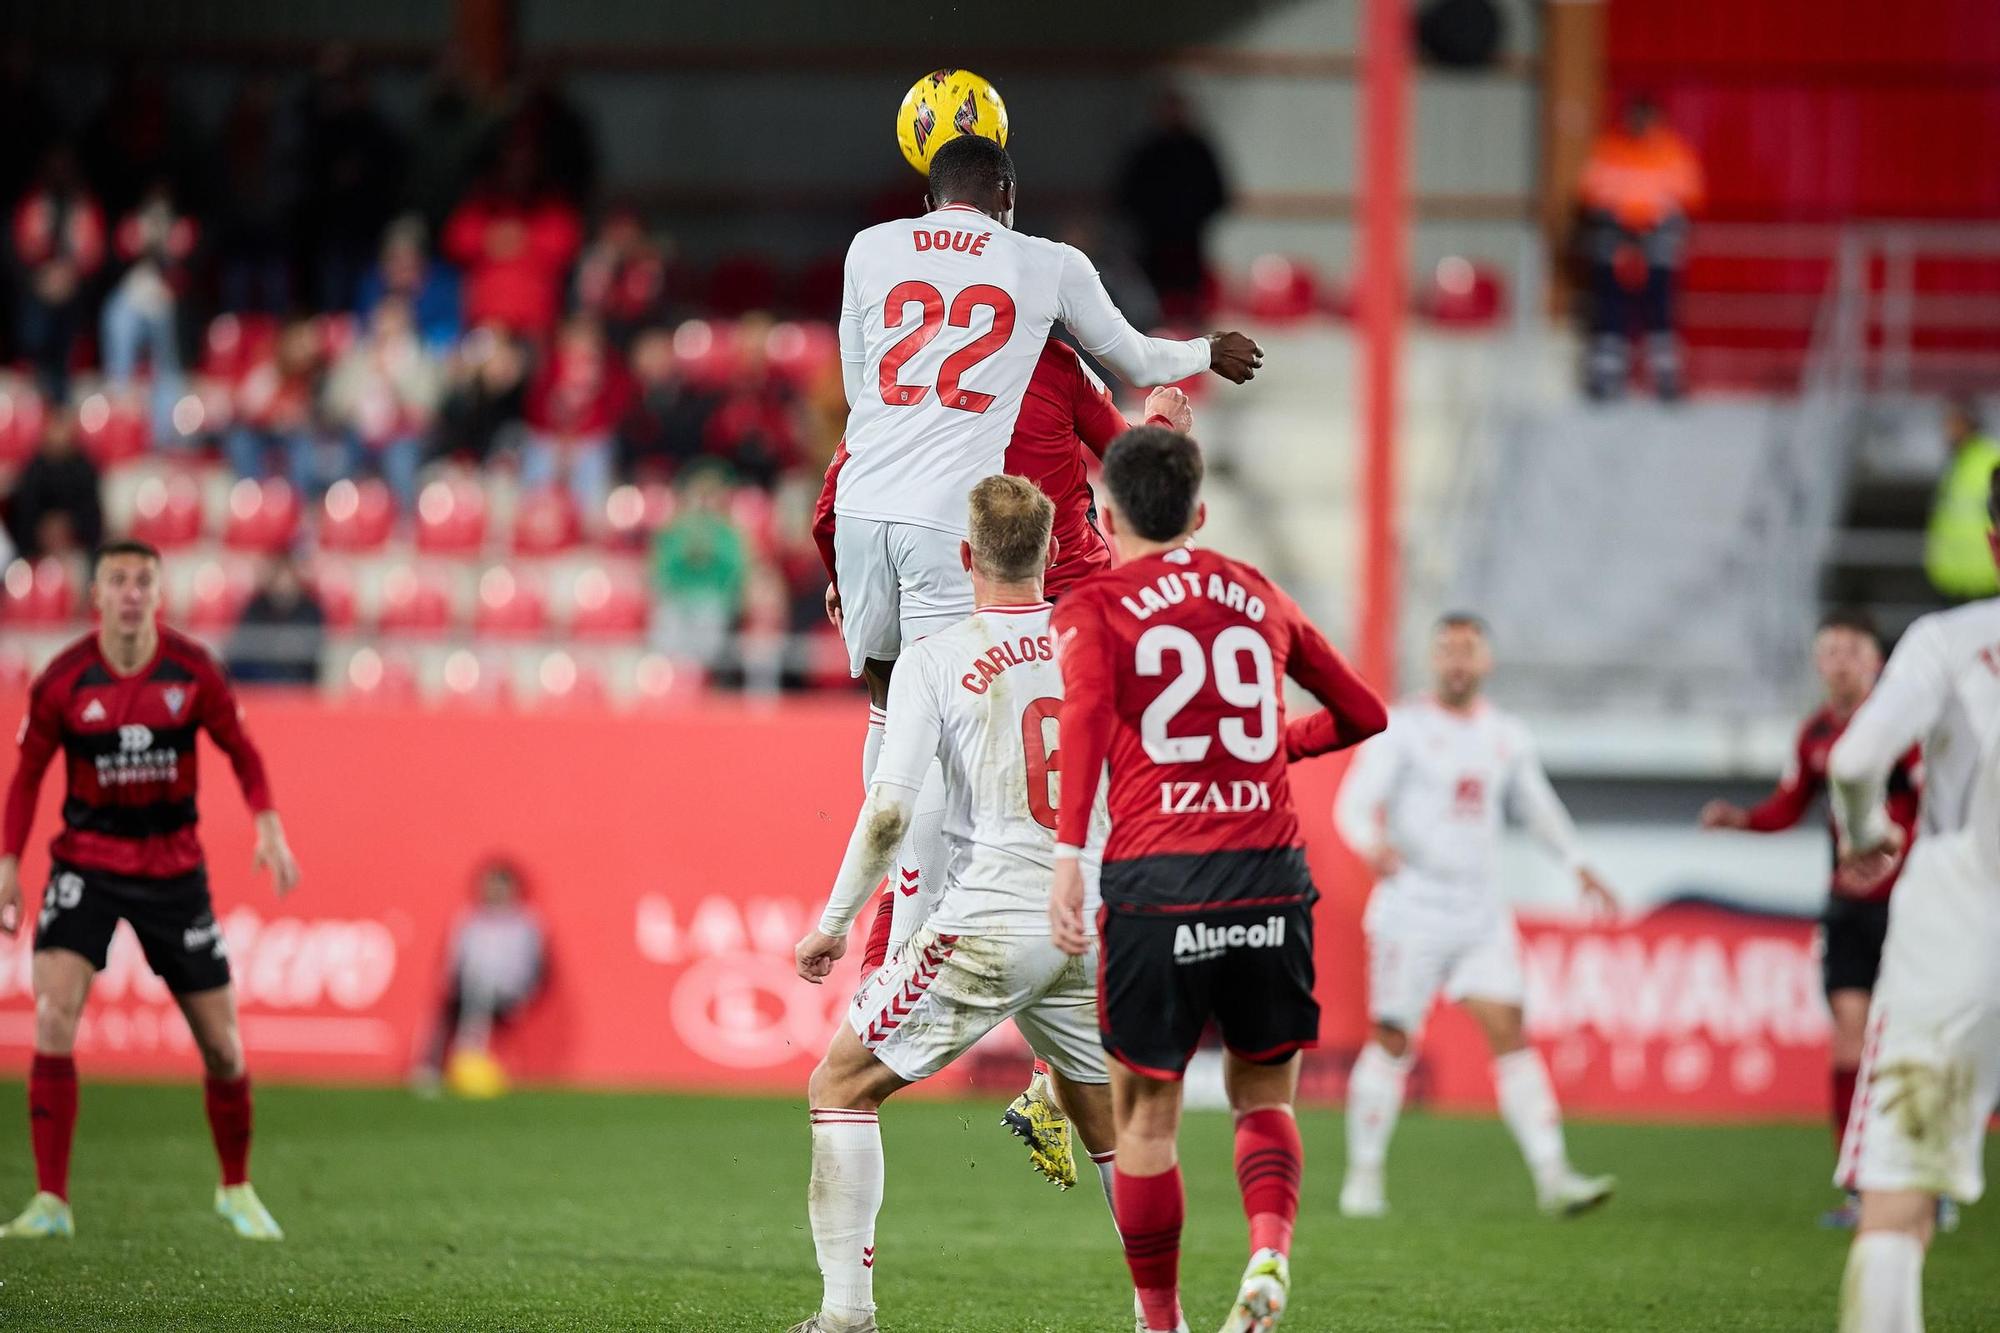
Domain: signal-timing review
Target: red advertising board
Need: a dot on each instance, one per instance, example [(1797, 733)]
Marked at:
[(677, 857)]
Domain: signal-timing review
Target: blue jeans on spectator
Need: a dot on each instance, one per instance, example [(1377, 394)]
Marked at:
[(48, 336), (249, 449), (587, 462), (128, 327), (396, 461)]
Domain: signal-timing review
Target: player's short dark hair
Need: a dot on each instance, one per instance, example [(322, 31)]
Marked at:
[(1471, 620), (1154, 476), (969, 167), (1853, 619), (121, 546)]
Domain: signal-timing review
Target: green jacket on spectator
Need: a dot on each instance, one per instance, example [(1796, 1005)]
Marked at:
[(1956, 556), (700, 558)]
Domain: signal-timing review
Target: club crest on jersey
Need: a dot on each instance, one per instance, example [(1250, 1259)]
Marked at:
[(175, 697), (135, 739), (93, 711)]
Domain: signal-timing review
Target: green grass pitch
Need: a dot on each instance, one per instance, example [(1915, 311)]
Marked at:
[(562, 1210)]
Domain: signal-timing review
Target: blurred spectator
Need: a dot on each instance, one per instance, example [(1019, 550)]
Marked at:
[(445, 142), (1171, 188), (1956, 554), (137, 137), (514, 240), (663, 430), (485, 397), (282, 632), (58, 244), (56, 508), (1639, 185), (497, 963), (259, 192), (621, 277), (701, 567), (278, 410), (548, 126), (142, 311), (755, 427), (383, 394), (407, 271), (574, 405), (353, 175)]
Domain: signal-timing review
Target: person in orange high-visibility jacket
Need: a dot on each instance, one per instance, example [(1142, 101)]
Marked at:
[(1639, 185)]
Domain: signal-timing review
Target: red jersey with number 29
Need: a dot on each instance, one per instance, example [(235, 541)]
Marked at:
[(1172, 668), (943, 321)]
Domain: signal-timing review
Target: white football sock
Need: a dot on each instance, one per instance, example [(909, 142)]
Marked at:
[(1107, 1170), (846, 1195), (871, 744), (1528, 1105), (920, 862), (1884, 1288), (1374, 1099)]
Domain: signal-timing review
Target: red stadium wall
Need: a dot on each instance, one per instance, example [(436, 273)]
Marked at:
[(676, 858)]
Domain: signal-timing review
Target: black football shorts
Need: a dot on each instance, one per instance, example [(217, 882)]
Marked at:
[(173, 918), (1851, 936)]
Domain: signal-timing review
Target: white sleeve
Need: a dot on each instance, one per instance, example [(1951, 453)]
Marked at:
[(1906, 704), (909, 744), (853, 348), (1359, 810), (1104, 333), (1538, 807)]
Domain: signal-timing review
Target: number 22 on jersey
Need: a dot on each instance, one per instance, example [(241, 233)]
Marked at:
[(933, 316)]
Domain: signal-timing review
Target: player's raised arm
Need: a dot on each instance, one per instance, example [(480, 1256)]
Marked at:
[(1904, 706), (40, 738), (908, 747), (1103, 331)]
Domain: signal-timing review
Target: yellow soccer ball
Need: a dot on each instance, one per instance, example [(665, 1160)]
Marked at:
[(475, 1075), (943, 105)]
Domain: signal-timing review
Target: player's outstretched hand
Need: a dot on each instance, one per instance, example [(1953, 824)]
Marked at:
[(1234, 357), (10, 894), (833, 605), (1721, 814), (1172, 404), (816, 955), (1066, 907), (1862, 870), (1597, 895), (275, 854)]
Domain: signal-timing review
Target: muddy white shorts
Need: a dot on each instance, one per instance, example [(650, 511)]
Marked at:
[(1413, 956), (939, 994), (898, 582), (1930, 1071)]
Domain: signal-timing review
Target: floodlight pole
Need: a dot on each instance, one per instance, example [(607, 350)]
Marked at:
[(1385, 79)]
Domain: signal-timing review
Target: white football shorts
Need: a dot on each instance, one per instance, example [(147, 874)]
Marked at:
[(898, 582), (1413, 956)]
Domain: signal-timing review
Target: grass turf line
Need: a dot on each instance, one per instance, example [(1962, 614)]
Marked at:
[(582, 1211)]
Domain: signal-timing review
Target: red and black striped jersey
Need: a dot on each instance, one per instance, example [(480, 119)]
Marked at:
[(129, 742), (1805, 779)]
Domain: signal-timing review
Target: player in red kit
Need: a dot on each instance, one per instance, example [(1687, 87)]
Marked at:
[(1172, 662), (123, 706), (1847, 653)]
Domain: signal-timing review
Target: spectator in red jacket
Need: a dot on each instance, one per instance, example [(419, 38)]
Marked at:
[(58, 244), (278, 407), (574, 407), (143, 311), (514, 241)]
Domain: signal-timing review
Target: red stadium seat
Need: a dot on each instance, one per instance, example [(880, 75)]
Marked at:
[(39, 595), (546, 522), (751, 509), (236, 343), (263, 516), (373, 677), (217, 596), (451, 517), (1463, 294), (1282, 290), (706, 353), (632, 514), (356, 516), (509, 606), (661, 682), (22, 416), (333, 584), (167, 512), (802, 354), (739, 284), (415, 603), (564, 682), (608, 604), (468, 680), (111, 433)]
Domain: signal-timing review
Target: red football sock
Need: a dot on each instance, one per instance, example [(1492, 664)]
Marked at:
[(228, 1103), (1150, 1211), (1268, 1158), (1844, 1081), (52, 1119), (877, 951)]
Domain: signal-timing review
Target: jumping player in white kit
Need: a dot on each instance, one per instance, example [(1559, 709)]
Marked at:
[(980, 697), (1930, 1071), (1423, 805)]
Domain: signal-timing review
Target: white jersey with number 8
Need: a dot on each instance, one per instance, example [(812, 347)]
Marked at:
[(942, 321), (982, 698)]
